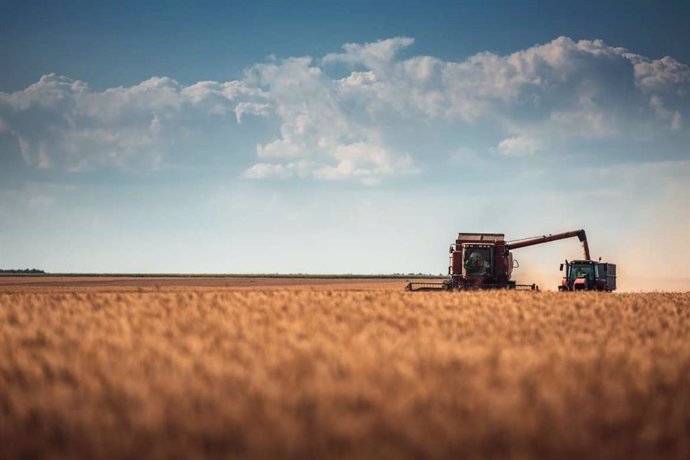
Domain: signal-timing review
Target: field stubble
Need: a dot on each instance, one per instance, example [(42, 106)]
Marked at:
[(302, 374)]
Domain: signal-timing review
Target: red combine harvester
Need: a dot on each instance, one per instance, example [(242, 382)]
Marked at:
[(484, 261)]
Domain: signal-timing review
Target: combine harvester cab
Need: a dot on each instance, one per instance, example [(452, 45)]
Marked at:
[(482, 261)]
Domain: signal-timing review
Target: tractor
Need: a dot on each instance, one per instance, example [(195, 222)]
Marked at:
[(588, 275)]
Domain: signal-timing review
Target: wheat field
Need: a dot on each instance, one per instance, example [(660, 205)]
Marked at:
[(304, 373)]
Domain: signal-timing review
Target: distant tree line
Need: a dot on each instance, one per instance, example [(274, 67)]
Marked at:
[(21, 270)]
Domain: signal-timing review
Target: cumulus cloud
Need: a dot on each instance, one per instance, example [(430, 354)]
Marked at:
[(372, 55), (547, 95), (340, 115), (60, 122)]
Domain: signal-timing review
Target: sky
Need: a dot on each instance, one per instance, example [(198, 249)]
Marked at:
[(341, 137)]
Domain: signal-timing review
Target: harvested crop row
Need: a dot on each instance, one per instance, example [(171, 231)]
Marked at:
[(341, 374)]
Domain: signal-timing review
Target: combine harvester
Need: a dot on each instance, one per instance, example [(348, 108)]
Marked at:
[(484, 261)]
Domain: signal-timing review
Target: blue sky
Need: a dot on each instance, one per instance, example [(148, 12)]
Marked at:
[(332, 137)]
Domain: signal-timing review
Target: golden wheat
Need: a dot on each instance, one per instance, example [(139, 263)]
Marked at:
[(313, 374)]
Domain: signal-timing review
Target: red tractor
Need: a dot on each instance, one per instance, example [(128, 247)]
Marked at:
[(484, 261), (587, 275)]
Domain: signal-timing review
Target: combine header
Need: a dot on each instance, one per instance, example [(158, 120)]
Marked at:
[(484, 261)]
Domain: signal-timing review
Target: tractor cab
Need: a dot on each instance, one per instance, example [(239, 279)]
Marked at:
[(582, 274)]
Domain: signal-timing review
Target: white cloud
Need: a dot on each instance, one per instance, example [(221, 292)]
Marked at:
[(372, 55), (359, 161), (665, 74), (347, 127), (517, 146), (252, 108), (318, 125), (365, 162), (269, 170), (59, 122)]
